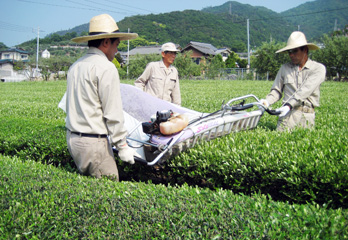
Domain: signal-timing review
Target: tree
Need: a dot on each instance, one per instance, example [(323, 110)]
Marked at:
[(267, 61), (122, 73), (185, 66), (213, 68), (334, 55), (54, 65), (243, 63), (119, 58), (123, 46), (138, 63), (341, 32), (19, 65), (233, 60), (3, 46)]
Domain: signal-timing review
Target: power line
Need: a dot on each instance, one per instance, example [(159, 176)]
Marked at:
[(19, 28), (295, 15), (89, 8), (98, 8), (14, 27), (109, 1)]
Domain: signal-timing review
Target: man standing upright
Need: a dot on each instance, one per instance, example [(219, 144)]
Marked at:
[(94, 119), (161, 79), (299, 81)]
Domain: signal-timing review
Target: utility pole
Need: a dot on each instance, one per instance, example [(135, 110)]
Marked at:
[(128, 56), (37, 50), (248, 44), (335, 28)]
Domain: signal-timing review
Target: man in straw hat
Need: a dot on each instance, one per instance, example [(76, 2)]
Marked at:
[(299, 81), (161, 79), (95, 119)]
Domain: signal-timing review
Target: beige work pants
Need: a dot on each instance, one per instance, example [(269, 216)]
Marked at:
[(92, 155), (296, 118)]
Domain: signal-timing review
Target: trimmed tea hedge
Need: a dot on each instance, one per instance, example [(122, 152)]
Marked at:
[(40, 201), (298, 167)]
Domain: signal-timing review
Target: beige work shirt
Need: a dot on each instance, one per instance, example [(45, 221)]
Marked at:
[(94, 102), (298, 86), (161, 82)]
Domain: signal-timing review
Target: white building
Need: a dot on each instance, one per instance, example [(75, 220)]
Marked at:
[(46, 54)]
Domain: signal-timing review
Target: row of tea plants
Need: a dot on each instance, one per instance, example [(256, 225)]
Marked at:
[(225, 188)]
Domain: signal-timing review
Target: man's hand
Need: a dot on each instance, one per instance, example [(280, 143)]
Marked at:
[(127, 154), (284, 110), (264, 102)]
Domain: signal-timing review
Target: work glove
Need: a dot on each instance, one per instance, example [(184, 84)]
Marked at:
[(127, 154), (264, 102), (284, 110)]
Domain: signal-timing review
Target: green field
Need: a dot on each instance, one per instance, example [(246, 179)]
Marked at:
[(256, 184)]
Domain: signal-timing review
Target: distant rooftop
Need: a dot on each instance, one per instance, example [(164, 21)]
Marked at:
[(143, 50), (205, 48), (19, 50)]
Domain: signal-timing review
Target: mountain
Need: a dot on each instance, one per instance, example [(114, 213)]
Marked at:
[(226, 25), (264, 23), (220, 29), (318, 17)]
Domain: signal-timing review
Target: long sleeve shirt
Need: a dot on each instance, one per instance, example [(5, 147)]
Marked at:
[(298, 86), (161, 82), (94, 102)]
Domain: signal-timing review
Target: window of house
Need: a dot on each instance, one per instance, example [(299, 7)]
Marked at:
[(6, 55)]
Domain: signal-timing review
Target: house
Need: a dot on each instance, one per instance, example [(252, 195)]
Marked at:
[(141, 50), (224, 52), (46, 54), (205, 50), (7, 60), (145, 50), (14, 54)]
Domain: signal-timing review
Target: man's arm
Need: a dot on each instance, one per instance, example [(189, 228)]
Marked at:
[(176, 95), (110, 97), (144, 78), (276, 90)]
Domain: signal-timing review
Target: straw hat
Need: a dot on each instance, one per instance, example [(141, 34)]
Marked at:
[(104, 26), (298, 39), (170, 47)]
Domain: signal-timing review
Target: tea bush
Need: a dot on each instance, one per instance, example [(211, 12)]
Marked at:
[(298, 167), (39, 201)]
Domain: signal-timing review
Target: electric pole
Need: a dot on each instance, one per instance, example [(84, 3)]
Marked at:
[(128, 56), (248, 44), (335, 28), (37, 49)]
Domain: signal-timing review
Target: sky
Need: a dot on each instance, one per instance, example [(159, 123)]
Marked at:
[(23, 20)]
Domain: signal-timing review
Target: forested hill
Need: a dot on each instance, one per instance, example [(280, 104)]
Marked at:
[(318, 17), (226, 25), (314, 18), (221, 30), (264, 24)]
